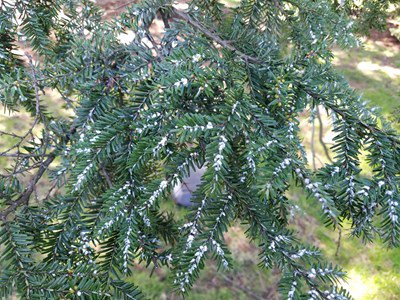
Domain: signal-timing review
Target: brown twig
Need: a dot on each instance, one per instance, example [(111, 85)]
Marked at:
[(38, 115), (155, 45), (106, 176), (21, 138), (21, 170), (191, 21), (24, 197), (68, 101), (238, 286), (312, 144), (321, 135), (51, 189), (279, 6), (338, 243), (164, 17), (18, 154), (10, 134)]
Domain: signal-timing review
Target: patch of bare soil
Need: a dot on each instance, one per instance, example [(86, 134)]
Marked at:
[(385, 37)]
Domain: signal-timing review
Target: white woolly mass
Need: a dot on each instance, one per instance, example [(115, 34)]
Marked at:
[(195, 128), (156, 193), (182, 82), (218, 159), (160, 145), (81, 177), (127, 245)]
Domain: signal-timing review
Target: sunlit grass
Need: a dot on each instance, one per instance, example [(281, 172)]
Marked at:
[(373, 271), (374, 70)]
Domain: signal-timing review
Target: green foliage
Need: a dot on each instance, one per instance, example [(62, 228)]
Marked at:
[(368, 14), (219, 88)]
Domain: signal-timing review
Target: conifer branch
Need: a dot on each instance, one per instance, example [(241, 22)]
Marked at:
[(146, 120), (23, 199), (321, 135), (226, 44), (347, 116), (313, 144), (279, 6)]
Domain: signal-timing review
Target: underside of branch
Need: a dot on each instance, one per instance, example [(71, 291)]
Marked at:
[(23, 199)]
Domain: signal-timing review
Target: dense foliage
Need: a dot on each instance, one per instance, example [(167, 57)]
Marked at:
[(218, 87)]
